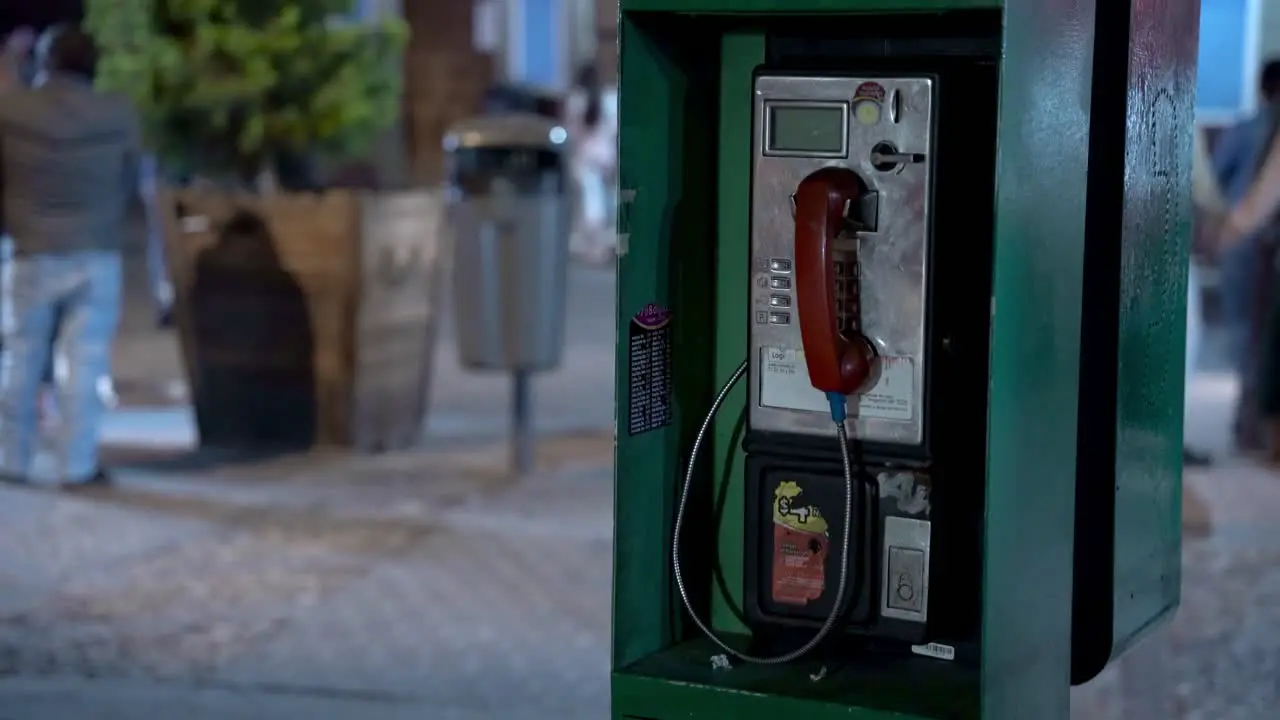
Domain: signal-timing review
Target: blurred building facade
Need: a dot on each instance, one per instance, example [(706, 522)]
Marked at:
[(461, 47)]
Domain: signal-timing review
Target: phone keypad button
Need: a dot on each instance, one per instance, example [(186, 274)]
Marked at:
[(782, 301), (780, 265), (780, 283), (779, 318)]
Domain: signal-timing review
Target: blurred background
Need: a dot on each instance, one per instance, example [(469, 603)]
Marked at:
[(457, 574)]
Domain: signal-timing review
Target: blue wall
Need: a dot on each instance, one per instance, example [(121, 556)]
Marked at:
[(1223, 85), (541, 42)]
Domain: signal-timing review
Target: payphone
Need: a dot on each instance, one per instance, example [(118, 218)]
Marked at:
[(842, 329), (895, 245)]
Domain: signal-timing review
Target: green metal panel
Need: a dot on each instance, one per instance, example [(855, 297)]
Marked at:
[(1035, 336), (1128, 528), (797, 7), (1157, 234), (768, 698), (740, 54), (667, 169), (682, 683)]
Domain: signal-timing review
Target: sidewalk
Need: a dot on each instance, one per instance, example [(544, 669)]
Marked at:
[(406, 585)]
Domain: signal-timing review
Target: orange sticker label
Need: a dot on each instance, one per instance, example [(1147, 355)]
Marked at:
[(800, 546)]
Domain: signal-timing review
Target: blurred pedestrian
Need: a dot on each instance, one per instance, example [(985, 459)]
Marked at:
[(15, 58), (1246, 262), (1207, 197), (157, 270), (18, 72), (69, 159), (593, 137)]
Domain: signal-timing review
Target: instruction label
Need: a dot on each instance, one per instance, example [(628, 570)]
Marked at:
[(649, 371), (784, 384), (800, 547)]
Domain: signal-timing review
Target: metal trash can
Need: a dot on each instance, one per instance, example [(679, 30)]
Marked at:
[(510, 218)]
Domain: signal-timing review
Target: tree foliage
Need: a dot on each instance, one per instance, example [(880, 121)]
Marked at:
[(230, 86)]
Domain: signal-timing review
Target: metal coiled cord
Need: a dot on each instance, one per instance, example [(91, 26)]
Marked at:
[(836, 608)]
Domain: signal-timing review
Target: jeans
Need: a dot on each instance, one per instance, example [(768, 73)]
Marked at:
[(76, 298), (1195, 320), (1239, 301)]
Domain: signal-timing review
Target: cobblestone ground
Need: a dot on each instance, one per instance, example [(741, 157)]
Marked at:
[(430, 587)]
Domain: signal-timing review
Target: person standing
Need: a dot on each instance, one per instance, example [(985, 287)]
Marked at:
[(69, 159), (593, 135), (1246, 262), (148, 192), (157, 271), (1206, 195), (17, 73)]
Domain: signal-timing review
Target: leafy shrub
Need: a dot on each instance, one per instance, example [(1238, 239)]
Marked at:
[(231, 87)]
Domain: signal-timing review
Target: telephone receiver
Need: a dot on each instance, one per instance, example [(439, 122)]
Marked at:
[(838, 363)]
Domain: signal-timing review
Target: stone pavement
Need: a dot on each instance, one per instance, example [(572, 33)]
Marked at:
[(416, 585), (404, 585)]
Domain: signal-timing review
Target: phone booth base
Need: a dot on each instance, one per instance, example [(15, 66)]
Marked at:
[(1019, 187)]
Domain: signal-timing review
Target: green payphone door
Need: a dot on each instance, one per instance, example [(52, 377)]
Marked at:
[(852, 289)]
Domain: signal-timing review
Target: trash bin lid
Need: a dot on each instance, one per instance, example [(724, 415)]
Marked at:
[(512, 130)]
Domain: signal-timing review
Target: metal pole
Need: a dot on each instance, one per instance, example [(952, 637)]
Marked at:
[(522, 460)]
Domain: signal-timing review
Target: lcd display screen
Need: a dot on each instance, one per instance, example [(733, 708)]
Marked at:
[(817, 129)]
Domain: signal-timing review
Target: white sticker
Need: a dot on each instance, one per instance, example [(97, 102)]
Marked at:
[(935, 650), (784, 383), (894, 394)]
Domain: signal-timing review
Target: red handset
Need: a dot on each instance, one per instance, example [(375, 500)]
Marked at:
[(837, 364)]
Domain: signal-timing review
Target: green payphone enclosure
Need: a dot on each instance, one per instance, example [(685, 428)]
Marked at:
[(685, 174)]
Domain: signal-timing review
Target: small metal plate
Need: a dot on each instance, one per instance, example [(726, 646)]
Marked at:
[(905, 579), (891, 273)]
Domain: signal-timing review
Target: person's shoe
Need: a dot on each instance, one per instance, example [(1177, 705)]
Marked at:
[(1191, 458), (99, 480)]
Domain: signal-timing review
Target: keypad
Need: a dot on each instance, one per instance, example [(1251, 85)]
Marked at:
[(848, 310)]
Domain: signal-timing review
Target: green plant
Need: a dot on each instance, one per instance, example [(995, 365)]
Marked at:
[(230, 87)]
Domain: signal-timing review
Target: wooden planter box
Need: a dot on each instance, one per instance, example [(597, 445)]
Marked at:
[(306, 319)]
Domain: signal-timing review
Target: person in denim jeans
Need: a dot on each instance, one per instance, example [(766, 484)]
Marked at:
[(1237, 160), (69, 159), (157, 273)]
